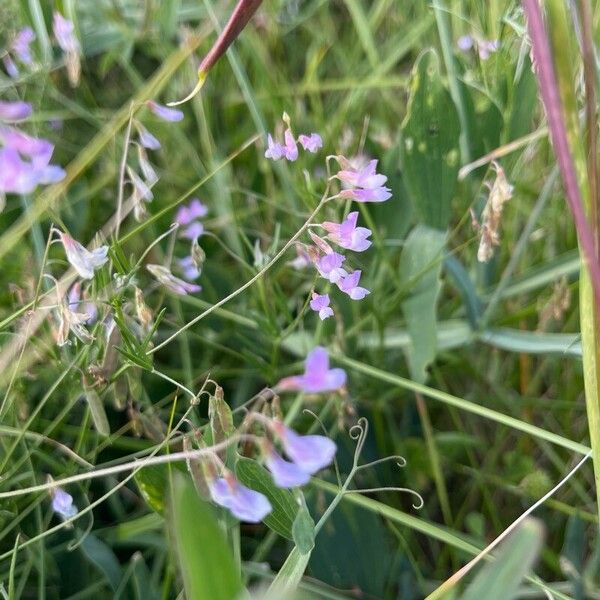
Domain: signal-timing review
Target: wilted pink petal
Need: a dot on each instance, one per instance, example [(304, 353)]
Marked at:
[(14, 111), (80, 258), (164, 112), (147, 139), (311, 142), (176, 285)]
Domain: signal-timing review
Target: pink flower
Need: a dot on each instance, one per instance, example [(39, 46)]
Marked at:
[(290, 149), (366, 185), (176, 285), (349, 285), (317, 377), (20, 45), (347, 234), (329, 266), (310, 453), (80, 258), (320, 304), (164, 112), (245, 504), (311, 142), (14, 111), (274, 149), (285, 474), (64, 32)]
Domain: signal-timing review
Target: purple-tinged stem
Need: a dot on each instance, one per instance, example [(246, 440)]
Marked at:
[(242, 13), (548, 85)]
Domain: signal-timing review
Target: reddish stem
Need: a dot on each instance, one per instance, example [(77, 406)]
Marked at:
[(544, 68)]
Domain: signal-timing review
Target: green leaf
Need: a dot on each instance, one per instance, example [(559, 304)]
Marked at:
[(420, 267), (303, 531), (206, 562), (103, 558), (152, 481), (97, 411), (501, 578), (430, 152), (530, 342), (285, 508), (290, 574)]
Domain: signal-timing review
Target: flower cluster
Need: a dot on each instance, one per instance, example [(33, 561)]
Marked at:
[(485, 48), (19, 51), (289, 148), (145, 177), (24, 160), (307, 454)]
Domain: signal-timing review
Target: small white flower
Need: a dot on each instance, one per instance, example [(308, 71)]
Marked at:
[(81, 259)]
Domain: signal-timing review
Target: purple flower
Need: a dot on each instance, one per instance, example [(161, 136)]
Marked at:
[(330, 266), (64, 32), (80, 258), (147, 139), (311, 142), (349, 285), (285, 474), (320, 304), (290, 149), (62, 504), (14, 111), (380, 194), (193, 231), (245, 504), (10, 66), (347, 234), (176, 285), (486, 48), (189, 268), (274, 149), (366, 185), (464, 42), (74, 301), (194, 210), (164, 112), (20, 45), (317, 377), (310, 453)]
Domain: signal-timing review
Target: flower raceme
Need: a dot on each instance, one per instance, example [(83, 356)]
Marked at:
[(289, 149), (317, 377)]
